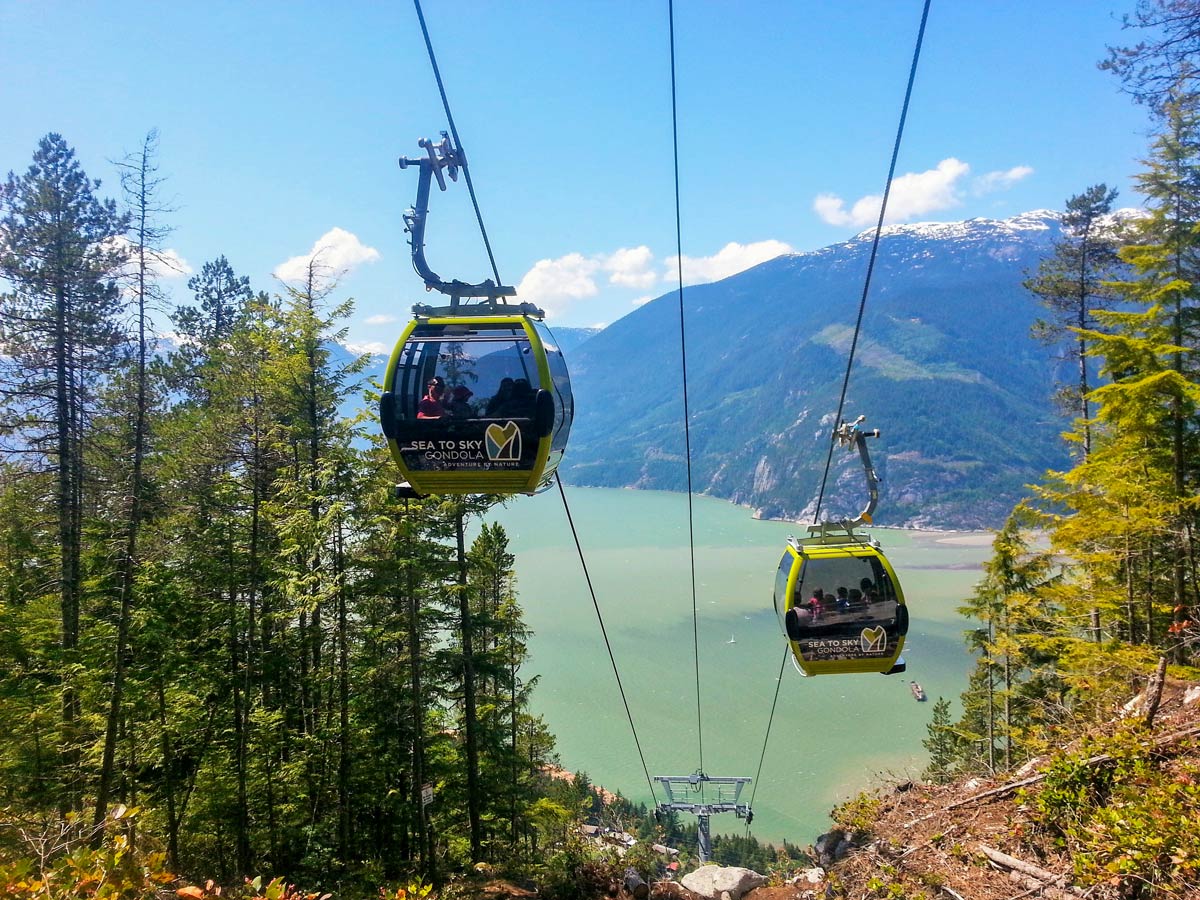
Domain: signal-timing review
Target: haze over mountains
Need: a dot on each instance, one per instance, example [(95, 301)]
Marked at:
[(945, 367)]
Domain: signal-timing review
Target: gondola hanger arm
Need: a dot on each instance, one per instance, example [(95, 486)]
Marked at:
[(441, 155), (850, 434)]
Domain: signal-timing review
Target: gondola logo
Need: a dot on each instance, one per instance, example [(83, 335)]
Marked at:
[(874, 640), (503, 442)]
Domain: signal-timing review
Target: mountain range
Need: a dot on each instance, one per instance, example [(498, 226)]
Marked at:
[(944, 366)]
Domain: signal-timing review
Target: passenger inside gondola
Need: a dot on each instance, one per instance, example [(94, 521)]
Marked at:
[(502, 398), (521, 403), (843, 599), (816, 604), (460, 406), (430, 406)]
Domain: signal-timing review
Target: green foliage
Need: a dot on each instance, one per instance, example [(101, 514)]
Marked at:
[(274, 661), (857, 815), (577, 869), (944, 744), (59, 859), (643, 858), (1123, 811)]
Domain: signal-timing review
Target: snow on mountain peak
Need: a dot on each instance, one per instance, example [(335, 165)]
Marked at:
[(1038, 220)]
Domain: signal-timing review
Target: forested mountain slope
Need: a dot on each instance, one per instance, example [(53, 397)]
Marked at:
[(945, 368)]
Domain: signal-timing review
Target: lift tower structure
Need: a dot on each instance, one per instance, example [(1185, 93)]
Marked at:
[(703, 796)]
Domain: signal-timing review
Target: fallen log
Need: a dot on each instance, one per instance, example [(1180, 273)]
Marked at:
[(635, 884), (1037, 887), (1047, 879)]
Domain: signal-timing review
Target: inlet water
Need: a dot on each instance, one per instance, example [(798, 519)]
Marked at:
[(831, 736)]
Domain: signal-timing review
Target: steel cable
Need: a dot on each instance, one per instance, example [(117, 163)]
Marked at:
[(437, 74), (604, 631), (687, 432), (912, 77), (912, 74)]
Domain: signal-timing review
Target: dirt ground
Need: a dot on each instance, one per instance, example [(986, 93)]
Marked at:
[(950, 840), (934, 840)]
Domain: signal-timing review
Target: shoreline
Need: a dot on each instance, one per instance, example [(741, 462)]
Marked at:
[(971, 535)]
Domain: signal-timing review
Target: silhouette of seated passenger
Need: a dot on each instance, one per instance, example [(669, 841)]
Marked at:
[(843, 600), (502, 397), (520, 403), (459, 406)]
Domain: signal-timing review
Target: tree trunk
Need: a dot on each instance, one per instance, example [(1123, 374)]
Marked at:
[(470, 725), (68, 537), (241, 822), (142, 191), (424, 838), (168, 763), (343, 700)]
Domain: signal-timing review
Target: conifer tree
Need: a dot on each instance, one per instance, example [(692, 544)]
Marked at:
[(1072, 282), (1006, 602), (1163, 64), (59, 333), (140, 185), (1150, 353)]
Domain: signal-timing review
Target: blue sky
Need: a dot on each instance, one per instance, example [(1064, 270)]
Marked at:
[(280, 125)]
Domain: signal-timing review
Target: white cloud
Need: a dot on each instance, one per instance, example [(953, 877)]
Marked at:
[(373, 347), (380, 320), (1000, 180), (729, 260), (556, 283), (336, 252), (632, 267), (913, 194)]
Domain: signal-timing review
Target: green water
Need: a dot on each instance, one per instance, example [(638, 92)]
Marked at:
[(831, 736)]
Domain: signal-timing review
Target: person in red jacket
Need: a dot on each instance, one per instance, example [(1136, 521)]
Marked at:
[(430, 406)]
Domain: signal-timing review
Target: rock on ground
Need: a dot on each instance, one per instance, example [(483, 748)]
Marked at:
[(722, 882)]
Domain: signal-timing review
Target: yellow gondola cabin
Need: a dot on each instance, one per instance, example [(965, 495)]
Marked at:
[(477, 402), (840, 605)]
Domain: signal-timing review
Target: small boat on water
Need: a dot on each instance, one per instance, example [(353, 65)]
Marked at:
[(917, 691)]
